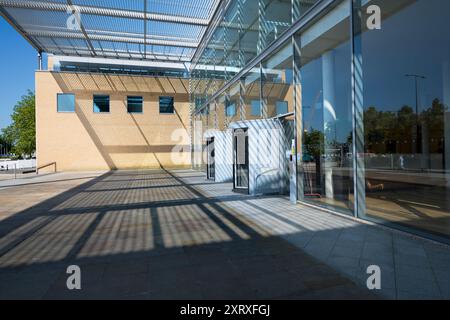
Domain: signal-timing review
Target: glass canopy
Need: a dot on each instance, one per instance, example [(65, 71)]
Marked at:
[(159, 30)]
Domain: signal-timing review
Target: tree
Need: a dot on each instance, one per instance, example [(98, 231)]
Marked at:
[(8, 135), (314, 146), (314, 143), (5, 145), (21, 134)]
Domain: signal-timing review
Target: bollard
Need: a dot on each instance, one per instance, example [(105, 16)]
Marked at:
[(15, 173)]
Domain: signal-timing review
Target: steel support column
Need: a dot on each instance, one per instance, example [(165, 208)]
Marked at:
[(39, 56), (298, 115), (359, 182)]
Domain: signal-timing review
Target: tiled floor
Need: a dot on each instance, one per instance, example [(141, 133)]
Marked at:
[(411, 267), (172, 234)]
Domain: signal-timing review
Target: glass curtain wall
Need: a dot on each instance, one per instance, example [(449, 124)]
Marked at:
[(405, 89), (246, 29), (325, 167), (250, 27), (374, 143), (278, 99), (232, 112), (277, 84), (252, 106)]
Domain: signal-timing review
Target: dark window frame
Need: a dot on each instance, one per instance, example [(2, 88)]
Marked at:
[(173, 104), (142, 104), (101, 95)]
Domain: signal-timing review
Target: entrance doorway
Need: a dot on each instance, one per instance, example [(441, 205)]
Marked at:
[(210, 161), (240, 160)]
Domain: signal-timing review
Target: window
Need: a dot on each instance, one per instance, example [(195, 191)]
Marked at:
[(252, 94), (230, 110), (206, 110), (166, 105), (277, 81), (199, 101), (282, 107), (406, 129), (101, 103), (256, 108), (326, 167), (66, 102), (134, 104)]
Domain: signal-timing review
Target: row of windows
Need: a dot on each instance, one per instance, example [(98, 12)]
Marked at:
[(281, 108), (66, 103)]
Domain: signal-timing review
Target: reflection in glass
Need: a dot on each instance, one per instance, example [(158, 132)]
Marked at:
[(256, 108), (251, 96), (406, 97), (277, 87), (278, 98), (325, 165)]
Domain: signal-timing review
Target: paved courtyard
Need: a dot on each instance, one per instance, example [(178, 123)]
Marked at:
[(157, 234)]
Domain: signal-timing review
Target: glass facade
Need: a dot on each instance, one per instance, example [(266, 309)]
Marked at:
[(326, 111), (246, 29), (364, 110), (277, 82), (406, 128)]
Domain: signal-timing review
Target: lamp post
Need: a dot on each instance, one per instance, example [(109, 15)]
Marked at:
[(418, 133)]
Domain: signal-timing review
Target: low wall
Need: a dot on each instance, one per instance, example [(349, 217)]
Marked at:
[(18, 164)]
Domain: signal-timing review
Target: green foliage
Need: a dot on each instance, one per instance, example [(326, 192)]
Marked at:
[(314, 143), (382, 128), (21, 134), (7, 135)]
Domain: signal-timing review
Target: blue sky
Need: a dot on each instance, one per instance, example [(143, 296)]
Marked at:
[(18, 61)]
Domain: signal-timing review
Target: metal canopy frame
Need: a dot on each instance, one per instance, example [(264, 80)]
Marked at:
[(156, 30)]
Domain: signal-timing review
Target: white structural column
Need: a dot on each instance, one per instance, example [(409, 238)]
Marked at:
[(329, 117), (446, 96)]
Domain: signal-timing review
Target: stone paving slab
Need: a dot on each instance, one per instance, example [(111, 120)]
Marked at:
[(412, 267), (156, 234)]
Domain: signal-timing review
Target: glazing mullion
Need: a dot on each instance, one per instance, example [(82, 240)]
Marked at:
[(357, 110)]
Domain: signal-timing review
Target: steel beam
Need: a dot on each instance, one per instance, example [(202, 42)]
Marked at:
[(78, 51), (74, 35), (39, 56), (19, 29), (86, 37), (317, 9), (218, 13), (172, 65), (145, 29), (102, 11)]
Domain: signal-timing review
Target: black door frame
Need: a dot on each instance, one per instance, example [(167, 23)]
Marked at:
[(210, 141)]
